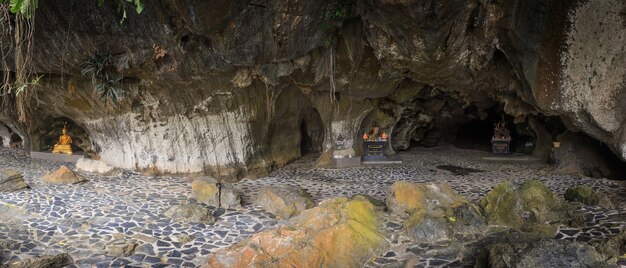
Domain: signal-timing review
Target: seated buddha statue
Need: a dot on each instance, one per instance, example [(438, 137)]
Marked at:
[(64, 146)]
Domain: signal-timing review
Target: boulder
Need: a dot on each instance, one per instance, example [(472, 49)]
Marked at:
[(587, 196), (434, 211), (527, 207), (405, 197), (63, 175), (191, 212), (46, 261), (377, 203), (545, 253), (340, 232), (209, 191), (459, 220), (614, 249), (96, 166), (284, 202), (11, 180)]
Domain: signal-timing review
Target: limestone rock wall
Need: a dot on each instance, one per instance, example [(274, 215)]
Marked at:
[(225, 87), (593, 77)]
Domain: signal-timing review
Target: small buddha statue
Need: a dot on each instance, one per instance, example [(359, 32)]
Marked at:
[(64, 146), (374, 133)]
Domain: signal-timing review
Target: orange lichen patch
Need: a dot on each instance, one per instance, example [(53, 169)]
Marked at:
[(339, 233), (408, 196)]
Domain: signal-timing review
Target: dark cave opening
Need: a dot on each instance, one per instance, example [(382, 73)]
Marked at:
[(476, 133), (50, 134), (16, 141), (311, 133)]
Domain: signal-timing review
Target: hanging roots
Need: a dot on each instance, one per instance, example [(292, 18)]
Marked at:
[(18, 40)]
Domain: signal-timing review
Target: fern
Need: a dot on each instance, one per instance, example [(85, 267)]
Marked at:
[(104, 77)]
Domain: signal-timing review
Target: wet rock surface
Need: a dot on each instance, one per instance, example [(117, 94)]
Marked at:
[(81, 219)]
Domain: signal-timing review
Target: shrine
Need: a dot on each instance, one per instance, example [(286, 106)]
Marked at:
[(374, 143), (501, 140)]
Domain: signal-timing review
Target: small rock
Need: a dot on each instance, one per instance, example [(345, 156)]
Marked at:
[(11, 180), (284, 202), (206, 190), (192, 212), (209, 191), (46, 261), (229, 198), (96, 166), (121, 248), (63, 175), (584, 194), (183, 238)]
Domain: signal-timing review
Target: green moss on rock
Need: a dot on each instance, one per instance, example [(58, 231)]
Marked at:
[(524, 206), (585, 195)]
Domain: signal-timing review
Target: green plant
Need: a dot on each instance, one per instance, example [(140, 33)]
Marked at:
[(104, 76), (17, 27), (122, 7)]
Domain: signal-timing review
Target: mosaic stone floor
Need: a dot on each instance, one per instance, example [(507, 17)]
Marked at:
[(87, 220)]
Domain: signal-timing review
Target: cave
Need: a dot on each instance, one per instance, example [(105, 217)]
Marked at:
[(311, 133), (235, 133), (16, 141), (51, 129), (477, 132)]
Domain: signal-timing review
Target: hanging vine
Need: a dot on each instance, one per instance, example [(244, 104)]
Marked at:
[(337, 11), (17, 22)]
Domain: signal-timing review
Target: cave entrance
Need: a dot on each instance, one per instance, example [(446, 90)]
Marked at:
[(476, 133), (311, 133), (16, 141), (81, 143)]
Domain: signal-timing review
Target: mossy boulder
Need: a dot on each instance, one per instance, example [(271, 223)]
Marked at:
[(585, 195), (340, 232), (284, 202), (530, 207), (458, 221), (434, 211), (377, 203), (405, 198)]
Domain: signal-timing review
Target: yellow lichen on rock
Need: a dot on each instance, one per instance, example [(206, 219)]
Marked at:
[(338, 233)]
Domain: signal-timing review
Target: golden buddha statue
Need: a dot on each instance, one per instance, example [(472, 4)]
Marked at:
[(64, 146)]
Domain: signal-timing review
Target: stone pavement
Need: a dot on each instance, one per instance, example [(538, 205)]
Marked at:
[(92, 220)]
